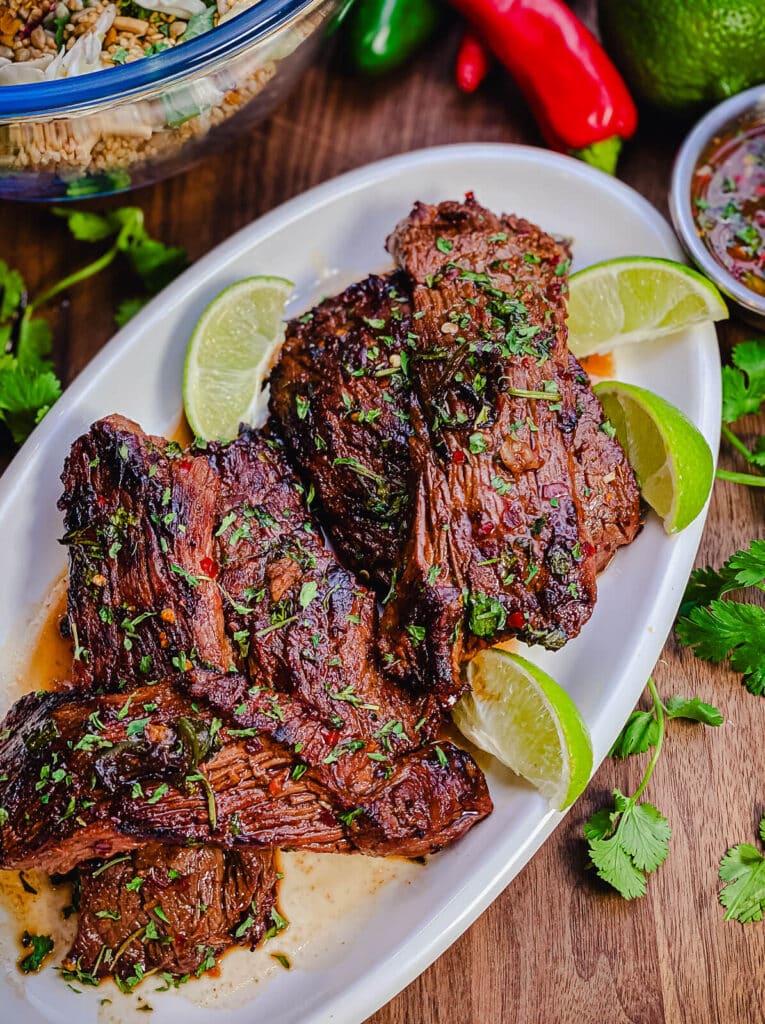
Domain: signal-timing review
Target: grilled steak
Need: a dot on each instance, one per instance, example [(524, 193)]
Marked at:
[(137, 516), (340, 397), (604, 482), (169, 910), (347, 432), (517, 500), (91, 776), (125, 493), (317, 748)]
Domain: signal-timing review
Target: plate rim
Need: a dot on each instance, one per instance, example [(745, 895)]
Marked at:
[(415, 952)]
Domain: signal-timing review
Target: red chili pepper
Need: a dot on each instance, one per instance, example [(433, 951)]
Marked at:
[(516, 620), (209, 567), (578, 97), (458, 457), (473, 63)]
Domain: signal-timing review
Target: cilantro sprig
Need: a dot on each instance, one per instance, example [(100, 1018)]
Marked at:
[(28, 382), (719, 629), (742, 869), (743, 395), (631, 840)]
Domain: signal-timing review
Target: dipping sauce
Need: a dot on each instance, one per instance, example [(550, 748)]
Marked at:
[(728, 197)]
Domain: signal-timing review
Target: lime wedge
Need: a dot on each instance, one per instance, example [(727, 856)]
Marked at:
[(231, 351), (625, 301), (672, 461), (519, 714)]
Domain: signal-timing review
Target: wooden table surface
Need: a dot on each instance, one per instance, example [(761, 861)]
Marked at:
[(555, 946)]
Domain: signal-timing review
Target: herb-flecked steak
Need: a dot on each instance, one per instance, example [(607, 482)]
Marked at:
[(340, 398), (352, 384), (314, 748), (95, 775), (170, 911), (498, 540), (129, 499), (137, 519)]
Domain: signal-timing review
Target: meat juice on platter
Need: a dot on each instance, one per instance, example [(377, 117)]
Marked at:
[(234, 688), (728, 196)]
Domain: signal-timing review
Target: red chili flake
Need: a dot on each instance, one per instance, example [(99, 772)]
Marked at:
[(275, 786), (469, 196), (458, 457), (588, 549), (185, 464), (516, 620), (101, 501), (485, 528), (209, 568), (331, 736)]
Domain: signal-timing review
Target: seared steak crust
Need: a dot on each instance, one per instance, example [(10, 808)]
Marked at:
[(498, 539), (340, 396), (170, 910), (92, 776), (313, 748), (551, 506), (137, 515)]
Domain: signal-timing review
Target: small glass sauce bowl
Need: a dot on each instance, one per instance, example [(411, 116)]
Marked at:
[(717, 199)]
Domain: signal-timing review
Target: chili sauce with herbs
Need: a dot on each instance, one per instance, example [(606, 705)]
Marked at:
[(728, 196)]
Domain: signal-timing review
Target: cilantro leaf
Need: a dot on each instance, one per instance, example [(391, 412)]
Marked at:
[(41, 945), (627, 844), (487, 616), (127, 309), (644, 834), (155, 263), (614, 865), (743, 870), (28, 385), (26, 394), (630, 840), (638, 735), (86, 226), (707, 585), (199, 24), (641, 731), (35, 344), (757, 455), (12, 291), (695, 709), (601, 825), (728, 630), (744, 569), (744, 382), (749, 565)]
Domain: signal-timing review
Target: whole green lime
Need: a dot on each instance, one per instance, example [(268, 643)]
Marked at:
[(681, 55)]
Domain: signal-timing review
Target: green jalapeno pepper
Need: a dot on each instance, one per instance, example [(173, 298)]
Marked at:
[(384, 33)]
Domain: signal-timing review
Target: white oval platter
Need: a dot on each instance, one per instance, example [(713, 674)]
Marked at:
[(361, 931)]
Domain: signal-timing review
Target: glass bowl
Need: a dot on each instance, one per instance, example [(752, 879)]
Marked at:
[(719, 120), (128, 126)]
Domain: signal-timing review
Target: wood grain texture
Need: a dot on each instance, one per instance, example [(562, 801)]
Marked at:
[(556, 946)]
